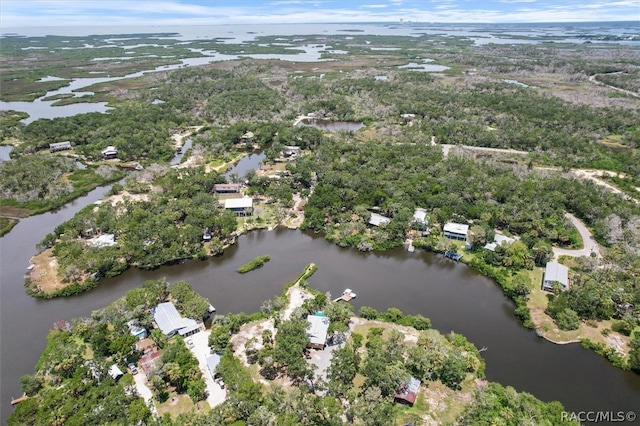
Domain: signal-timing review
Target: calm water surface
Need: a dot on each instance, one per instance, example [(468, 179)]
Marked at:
[(452, 295)]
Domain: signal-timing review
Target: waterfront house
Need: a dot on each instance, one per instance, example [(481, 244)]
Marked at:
[(110, 152), (136, 330), (420, 220), (408, 391), (456, 231), (317, 330), (170, 322), (104, 240), (378, 220), (499, 239), (59, 146), (226, 188), (554, 272), (240, 206)]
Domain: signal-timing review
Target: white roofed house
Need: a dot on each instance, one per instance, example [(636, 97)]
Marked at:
[(317, 329), (420, 220), (59, 146), (170, 322), (378, 220), (456, 231), (555, 273), (499, 239), (110, 152), (240, 206)]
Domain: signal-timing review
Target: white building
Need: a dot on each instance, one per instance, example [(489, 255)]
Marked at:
[(555, 273), (378, 220), (170, 322), (456, 231)]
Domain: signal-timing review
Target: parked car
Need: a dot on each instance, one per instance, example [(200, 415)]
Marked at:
[(132, 368), (190, 343)]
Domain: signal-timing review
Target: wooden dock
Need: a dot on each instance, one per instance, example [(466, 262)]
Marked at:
[(15, 401), (344, 298), (347, 296)]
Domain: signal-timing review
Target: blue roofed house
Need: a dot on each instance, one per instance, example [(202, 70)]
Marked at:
[(555, 273), (136, 330), (170, 322)]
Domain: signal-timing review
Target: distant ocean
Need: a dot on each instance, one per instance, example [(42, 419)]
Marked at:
[(481, 33)]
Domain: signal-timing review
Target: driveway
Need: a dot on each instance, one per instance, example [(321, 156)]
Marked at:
[(144, 391), (200, 350), (590, 244)]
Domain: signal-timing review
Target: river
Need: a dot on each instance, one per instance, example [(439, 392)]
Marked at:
[(453, 296)]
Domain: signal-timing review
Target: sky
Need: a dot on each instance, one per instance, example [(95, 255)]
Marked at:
[(39, 13)]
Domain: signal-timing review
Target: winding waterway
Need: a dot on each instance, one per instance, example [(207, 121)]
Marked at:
[(453, 296)]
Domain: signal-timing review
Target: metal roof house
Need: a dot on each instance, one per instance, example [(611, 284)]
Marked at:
[(136, 330), (240, 206), (226, 188), (170, 321), (499, 239), (378, 220), (555, 273), (212, 363), (59, 146), (456, 231), (317, 330), (110, 152), (408, 392)]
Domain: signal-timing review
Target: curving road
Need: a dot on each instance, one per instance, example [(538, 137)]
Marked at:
[(589, 242)]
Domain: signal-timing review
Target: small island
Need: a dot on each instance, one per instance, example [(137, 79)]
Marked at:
[(255, 263)]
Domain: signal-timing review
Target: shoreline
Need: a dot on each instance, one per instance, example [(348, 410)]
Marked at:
[(536, 318)]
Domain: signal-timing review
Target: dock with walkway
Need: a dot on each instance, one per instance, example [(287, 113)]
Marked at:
[(347, 296)]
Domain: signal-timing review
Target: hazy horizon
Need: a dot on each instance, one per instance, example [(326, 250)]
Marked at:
[(65, 13)]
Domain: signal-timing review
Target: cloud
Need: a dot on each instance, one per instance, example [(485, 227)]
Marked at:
[(34, 13)]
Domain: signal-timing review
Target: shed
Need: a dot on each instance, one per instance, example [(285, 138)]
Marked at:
[(170, 321), (59, 146), (240, 206), (212, 363), (317, 330), (150, 362), (378, 220), (408, 391), (554, 272), (115, 372), (456, 231)]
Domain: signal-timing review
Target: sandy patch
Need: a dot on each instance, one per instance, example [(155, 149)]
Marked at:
[(247, 332), (119, 198), (296, 296), (44, 273)]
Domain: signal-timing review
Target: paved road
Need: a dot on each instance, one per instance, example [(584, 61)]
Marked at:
[(590, 244)]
